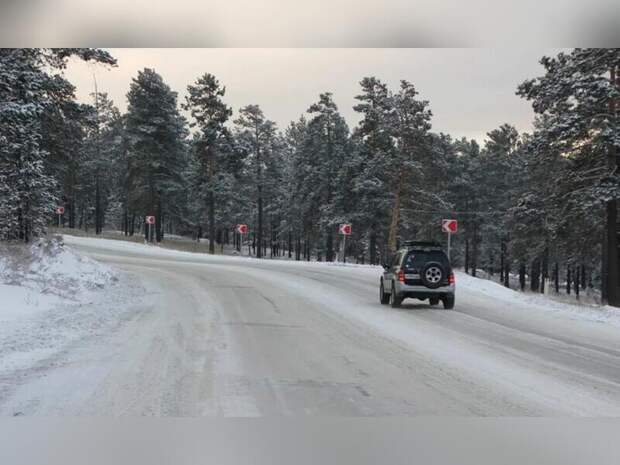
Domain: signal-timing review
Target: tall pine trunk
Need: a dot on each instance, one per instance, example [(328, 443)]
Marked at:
[(97, 206), (545, 270), (259, 232), (466, 252), (290, 243), (474, 261), (211, 198), (329, 245), (393, 231), (522, 277), (125, 221), (158, 220), (501, 261), (611, 279), (610, 267), (211, 215), (372, 246), (576, 278), (535, 275)]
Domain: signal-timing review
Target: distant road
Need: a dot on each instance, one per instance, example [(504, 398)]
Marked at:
[(224, 336)]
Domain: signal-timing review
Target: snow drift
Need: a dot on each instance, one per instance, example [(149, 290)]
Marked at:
[(48, 267), (51, 296)]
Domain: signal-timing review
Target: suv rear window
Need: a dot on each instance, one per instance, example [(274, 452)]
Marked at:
[(418, 258)]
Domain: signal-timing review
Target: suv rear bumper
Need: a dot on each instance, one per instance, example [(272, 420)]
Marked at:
[(407, 289)]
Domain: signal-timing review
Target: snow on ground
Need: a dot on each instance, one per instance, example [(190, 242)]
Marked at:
[(19, 302), (532, 359), (51, 296), (509, 299), (48, 267), (156, 251)]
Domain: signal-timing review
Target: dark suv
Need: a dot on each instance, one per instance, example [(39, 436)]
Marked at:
[(419, 270)]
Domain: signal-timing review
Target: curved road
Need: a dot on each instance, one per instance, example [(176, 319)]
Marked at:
[(239, 337)]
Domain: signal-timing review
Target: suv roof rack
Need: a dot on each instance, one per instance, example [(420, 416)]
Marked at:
[(422, 244)]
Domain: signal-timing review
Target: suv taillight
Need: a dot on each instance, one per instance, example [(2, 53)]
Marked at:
[(451, 279), (401, 276)]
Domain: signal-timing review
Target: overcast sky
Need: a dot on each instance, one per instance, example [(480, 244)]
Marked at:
[(471, 91)]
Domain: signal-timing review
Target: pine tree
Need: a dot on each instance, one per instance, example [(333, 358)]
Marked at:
[(325, 148), (256, 135), (578, 98), (156, 147), (29, 97), (100, 155), (494, 181), (296, 171), (376, 149), (410, 123), (204, 101), (462, 195)]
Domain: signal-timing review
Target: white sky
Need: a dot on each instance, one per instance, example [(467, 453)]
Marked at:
[(471, 91)]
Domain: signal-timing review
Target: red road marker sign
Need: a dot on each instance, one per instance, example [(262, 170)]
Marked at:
[(149, 220), (242, 228), (60, 210), (449, 226), (344, 229)]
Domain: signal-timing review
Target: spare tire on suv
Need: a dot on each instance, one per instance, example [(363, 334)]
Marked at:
[(432, 274)]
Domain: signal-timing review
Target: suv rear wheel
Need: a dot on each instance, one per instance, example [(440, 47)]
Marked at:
[(448, 301), (384, 297), (395, 300)]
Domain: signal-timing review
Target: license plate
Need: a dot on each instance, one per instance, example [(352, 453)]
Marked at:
[(411, 276)]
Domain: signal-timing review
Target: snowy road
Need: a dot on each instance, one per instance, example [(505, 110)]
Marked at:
[(236, 337)]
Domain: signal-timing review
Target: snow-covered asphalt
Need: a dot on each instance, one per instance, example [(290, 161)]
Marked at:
[(227, 336)]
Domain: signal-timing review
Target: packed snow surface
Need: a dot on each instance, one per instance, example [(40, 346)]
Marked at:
[(507, 299), (51, 296), (187, 334), (19, 302)]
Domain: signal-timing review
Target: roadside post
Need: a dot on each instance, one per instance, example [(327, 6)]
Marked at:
[(60, 211), (345, 230), (150, 221), (242, 230), (450, 227)]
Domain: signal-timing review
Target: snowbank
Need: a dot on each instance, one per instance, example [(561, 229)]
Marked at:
[(19, 302), (50, 296), (47, 266), (36, 278), (511, 300)]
